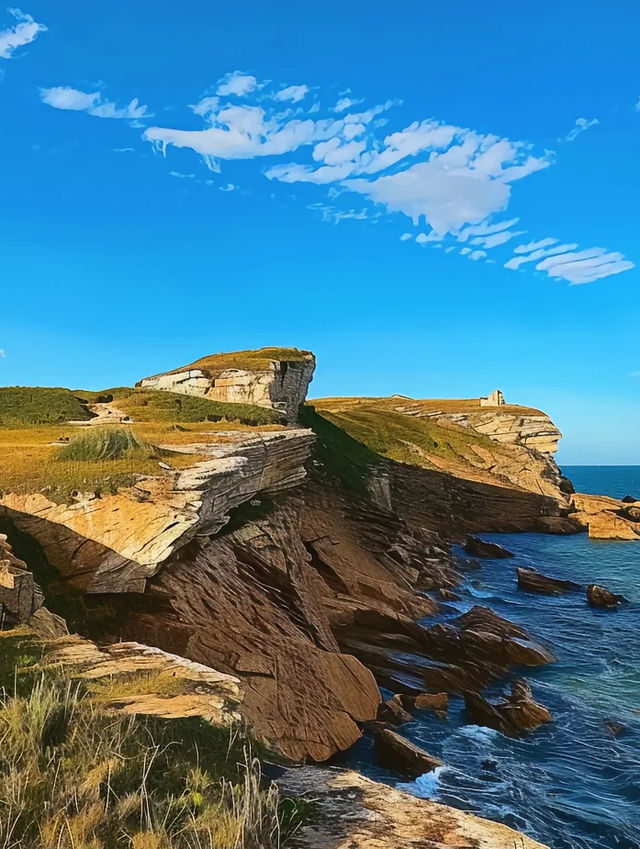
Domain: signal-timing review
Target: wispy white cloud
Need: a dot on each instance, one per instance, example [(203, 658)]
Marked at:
[(566, 262), (345, 103), (580, 126), (294, 93), (455, 184), (74, 100), (236, 83), (23, 32)]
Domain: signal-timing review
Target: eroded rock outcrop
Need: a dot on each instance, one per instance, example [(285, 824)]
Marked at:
[(353, 812), (21, 599), (269, 377), (114, 543), (512, 716), (607, 518)]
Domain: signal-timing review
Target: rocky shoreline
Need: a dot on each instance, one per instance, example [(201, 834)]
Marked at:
[(296, 564)]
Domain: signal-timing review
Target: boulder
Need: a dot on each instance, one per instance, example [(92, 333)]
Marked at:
[(630, 499), (534, 582), (397, 753), (393, 711), (477, 547), (601, 597), (439, 702), (512, 716)]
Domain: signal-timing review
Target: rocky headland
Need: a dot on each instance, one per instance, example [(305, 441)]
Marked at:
[(291, 564)]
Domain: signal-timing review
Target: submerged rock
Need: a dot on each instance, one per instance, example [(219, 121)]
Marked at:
[(397, 753), (601, 597), (477, 547), (535, 582)]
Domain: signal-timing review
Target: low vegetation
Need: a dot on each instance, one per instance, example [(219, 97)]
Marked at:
[(416, 440), (77, 775), (258, 360), (36, 405), (107, 444), (342, 457), (59, 461)]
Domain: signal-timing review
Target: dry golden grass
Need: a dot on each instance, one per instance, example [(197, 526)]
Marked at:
[(258, 360), (75, 777), (30, 463), (443, 405)]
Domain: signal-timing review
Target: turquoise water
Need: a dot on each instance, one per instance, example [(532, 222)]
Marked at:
[(571, 784)]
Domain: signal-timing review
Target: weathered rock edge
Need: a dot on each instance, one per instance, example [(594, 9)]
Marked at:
[(354, 812)]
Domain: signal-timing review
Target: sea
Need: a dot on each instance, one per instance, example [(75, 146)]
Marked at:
[(572, 784)]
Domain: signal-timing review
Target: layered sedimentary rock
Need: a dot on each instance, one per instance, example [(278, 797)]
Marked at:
[(269, 377), (353, 812), (505, 445), (266, 601), (510, 426), (114, 543), (607, 518), (21, 599)]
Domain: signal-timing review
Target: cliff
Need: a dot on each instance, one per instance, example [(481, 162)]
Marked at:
[(293, 561), (505, 445), (269, 377)]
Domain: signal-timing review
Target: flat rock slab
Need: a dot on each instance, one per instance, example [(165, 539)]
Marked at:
[(353, 812), (477, 547), (535, 582)]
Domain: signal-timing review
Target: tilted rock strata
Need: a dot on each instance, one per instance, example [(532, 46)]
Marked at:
[(21, 599), (607, 518), (204, 692), (354, 812), (114, 543), (535, 432), (281, 384)]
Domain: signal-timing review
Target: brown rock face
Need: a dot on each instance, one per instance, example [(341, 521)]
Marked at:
[(21, 599), (605, 517), (395, 752), (598, 596), (479, 548), (512, 716), (534, 582)]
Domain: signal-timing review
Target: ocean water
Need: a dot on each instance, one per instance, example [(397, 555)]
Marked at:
[(572, 784)]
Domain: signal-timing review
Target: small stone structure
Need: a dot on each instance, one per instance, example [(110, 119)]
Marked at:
[(496, 399)]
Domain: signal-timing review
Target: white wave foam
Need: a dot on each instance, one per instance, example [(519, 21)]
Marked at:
[(479, 733), (425, 786)]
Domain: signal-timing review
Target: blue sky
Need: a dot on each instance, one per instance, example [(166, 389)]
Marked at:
[(437, 198)]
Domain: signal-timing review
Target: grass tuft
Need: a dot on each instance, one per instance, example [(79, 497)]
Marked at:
[(107, 444), (75, 777)]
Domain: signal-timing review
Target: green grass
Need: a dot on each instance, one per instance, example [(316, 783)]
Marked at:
[(37, 405), (406, 439), (98, 444), (344, 458), (73, 776), (258, 360), (144, 405)]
